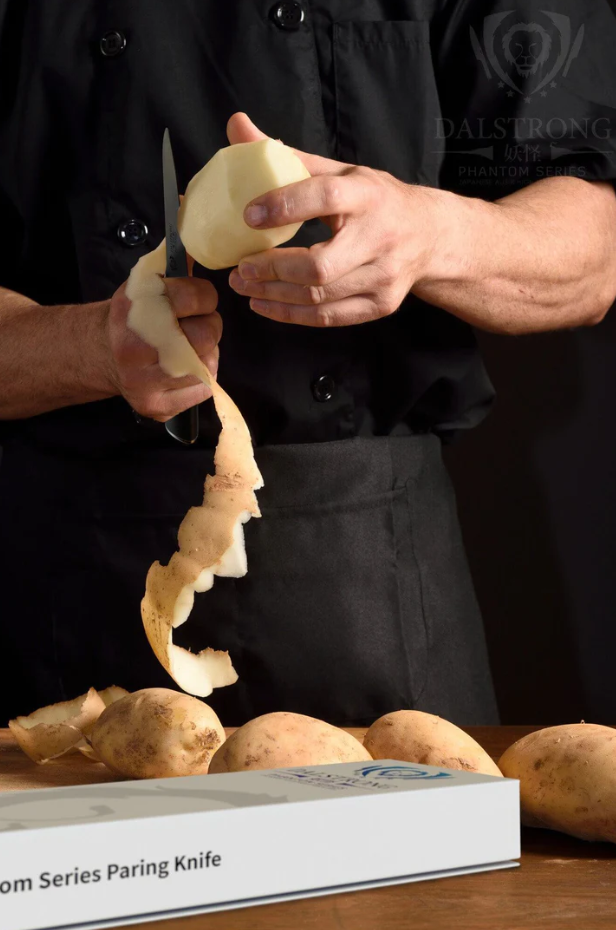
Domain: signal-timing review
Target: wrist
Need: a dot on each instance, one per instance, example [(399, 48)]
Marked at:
[(460, 230), (95, 355)]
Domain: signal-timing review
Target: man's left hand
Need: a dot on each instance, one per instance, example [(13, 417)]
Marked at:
[(383, 234), (542, 258)]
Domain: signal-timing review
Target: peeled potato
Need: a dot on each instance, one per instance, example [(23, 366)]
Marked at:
[(282, 740), (157, 733), (414, 736), (211, 218), (567, 779)]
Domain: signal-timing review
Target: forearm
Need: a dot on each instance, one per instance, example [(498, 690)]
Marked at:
[(51, 357), (541, 259)]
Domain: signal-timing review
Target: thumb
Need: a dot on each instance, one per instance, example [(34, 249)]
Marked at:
[(241, 128)]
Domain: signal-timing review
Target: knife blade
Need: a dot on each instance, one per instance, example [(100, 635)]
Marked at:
[(185, 426)]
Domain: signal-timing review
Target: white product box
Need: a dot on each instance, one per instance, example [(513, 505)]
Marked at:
[(109, 854)]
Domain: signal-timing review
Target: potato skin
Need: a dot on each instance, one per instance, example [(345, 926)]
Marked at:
[(157, 733), (567, 779), (282, 740), (414, 736)]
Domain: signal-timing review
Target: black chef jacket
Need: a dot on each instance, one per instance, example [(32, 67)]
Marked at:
[(87, 88), (437, 92)]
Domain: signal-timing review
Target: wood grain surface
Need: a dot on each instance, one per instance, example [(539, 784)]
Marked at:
[(562, 883)]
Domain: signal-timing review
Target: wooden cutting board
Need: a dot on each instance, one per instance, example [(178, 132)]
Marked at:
[(17, 772)]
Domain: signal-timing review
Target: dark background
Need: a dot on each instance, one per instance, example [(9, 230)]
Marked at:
[(536, 487)]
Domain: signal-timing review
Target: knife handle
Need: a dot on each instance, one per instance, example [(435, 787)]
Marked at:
[(185, 426)]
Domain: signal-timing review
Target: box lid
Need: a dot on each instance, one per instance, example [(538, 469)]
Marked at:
[(126, 800)]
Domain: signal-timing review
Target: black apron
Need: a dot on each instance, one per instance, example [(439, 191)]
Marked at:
[(357, 601)]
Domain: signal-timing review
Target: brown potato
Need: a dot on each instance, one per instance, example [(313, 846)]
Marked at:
[(414, 736), (157, 733), (567, 779), (282, 740)]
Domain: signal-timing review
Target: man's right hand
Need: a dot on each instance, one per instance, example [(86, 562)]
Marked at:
[(133, 365)]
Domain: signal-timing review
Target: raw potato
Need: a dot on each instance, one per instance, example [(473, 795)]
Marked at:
[(283, 740), (157, 733), (414, 736), (211, 221), (567, 779), (51, 731)]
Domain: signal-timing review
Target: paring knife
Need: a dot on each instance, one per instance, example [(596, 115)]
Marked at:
[(185, 426)]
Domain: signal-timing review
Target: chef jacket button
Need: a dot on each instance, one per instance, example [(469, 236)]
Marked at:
[(113, 43), (324, 388), (288, 15), (132, 232)]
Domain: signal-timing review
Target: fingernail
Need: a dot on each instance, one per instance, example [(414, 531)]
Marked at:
[(261, 306), (236, 281), (248, 272), (256, 214)]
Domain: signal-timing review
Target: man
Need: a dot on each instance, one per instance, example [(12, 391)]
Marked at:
[(350, 351)]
